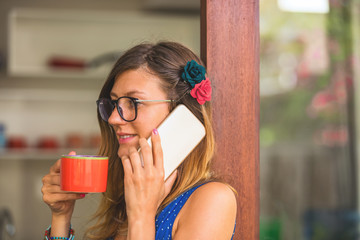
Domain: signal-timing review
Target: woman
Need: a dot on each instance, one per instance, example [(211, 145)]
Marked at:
[(138, 203)]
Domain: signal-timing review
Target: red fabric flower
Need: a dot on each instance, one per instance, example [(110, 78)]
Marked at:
[(202, 91)]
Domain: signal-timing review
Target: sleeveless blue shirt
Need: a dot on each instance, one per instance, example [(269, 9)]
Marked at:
[(165, 220)]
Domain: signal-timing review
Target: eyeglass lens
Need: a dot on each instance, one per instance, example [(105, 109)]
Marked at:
[(126, 108)]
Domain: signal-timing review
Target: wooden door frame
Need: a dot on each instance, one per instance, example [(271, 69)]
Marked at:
[(230, 50)]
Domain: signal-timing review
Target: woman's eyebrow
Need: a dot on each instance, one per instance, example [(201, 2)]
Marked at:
[(133, 92), (113, 95), (129, 93)]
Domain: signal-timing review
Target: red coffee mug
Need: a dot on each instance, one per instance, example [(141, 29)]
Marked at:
[(83, 173)]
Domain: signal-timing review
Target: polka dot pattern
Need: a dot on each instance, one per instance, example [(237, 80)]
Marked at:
[(165, 220)]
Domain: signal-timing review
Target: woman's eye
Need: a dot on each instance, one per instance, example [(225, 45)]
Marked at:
[(139, 104), (130, 104)]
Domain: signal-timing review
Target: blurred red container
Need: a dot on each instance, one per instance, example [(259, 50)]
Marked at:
[(48, 143), (18, 142), (74, 140)]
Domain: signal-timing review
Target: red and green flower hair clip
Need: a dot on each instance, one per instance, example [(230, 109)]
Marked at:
[(194, 75)]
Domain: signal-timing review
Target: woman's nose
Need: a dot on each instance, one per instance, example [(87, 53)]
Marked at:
[(115, 118)]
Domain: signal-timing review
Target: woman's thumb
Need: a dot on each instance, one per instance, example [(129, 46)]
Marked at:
[(72, 153)]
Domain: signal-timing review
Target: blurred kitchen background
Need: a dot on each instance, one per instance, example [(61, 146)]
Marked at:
[(54, 58)]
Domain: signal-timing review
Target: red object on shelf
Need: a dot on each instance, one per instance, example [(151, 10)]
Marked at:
[(48, 143), (74, 140), (95, 141), (66, 62), (17, 142)]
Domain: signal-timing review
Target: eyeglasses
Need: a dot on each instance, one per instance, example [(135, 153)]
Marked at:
[(126, 107)]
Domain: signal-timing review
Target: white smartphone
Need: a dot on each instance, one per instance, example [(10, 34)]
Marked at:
[(180, 133)]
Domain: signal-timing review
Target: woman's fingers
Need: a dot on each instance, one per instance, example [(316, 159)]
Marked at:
[(146, 154), (51, 185), (157, 150), (51, 188), (132, 162), (59, 197), (135, 160), (60, 202), (56, 167), (126, 165), (147, 158), (52, 179)]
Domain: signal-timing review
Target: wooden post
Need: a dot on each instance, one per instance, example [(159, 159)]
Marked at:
[(230, 49)]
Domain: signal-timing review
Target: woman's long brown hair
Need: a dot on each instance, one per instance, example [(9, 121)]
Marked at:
[(166, 60)]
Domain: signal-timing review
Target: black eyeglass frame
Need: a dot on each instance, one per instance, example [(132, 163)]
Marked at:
[(115, 104)]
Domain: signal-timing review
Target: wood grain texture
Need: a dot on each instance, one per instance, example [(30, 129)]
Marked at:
[(230, 49)]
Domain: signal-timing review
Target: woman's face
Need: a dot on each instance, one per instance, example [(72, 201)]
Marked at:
[(145, 86)]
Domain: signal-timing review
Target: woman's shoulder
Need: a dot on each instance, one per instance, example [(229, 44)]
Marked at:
[(213, 194), (210, 206), (212, 186)]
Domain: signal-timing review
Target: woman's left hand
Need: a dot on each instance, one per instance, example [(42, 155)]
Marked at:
[(145, 187)]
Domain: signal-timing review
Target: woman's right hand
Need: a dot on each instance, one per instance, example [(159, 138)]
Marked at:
[(60, 202)]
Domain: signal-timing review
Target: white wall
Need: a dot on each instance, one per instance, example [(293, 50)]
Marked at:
[(43, 105)]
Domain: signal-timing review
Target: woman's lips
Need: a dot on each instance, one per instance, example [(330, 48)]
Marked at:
[(125, 138)]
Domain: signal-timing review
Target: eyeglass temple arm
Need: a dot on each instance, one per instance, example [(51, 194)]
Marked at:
[(165, 100)]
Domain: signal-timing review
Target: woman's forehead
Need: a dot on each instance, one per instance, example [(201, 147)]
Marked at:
[(136, 82)]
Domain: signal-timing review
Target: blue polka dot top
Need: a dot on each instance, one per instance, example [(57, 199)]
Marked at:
[(165, 220)]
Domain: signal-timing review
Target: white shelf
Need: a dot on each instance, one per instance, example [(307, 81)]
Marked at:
[(43, 72), (10, 94), (41, 154), (37, 35)]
